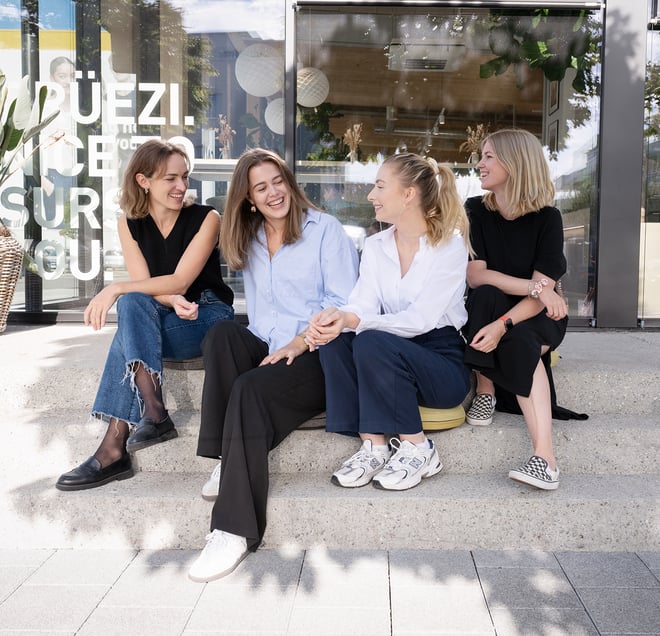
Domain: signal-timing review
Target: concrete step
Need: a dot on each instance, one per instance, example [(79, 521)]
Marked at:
[(59, 366), (449, 511), (602, 445), (609, 498)]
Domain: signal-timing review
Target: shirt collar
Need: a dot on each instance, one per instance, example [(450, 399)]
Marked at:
[(387, 238), (312, 216)]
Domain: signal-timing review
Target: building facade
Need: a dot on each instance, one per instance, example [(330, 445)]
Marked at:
[(334, 87)]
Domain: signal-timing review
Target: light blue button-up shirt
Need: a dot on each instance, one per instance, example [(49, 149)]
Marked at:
[(317, 271)]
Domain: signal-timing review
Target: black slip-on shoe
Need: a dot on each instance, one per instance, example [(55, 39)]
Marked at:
[(149, 432), (90, 474)]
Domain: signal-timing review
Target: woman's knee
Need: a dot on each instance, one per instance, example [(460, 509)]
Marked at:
[(218, 334), (135, 301), (484, 304), (485, 294), (373, 344), (336, 349)]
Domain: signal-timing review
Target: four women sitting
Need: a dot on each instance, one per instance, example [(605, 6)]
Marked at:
[(369, 350)]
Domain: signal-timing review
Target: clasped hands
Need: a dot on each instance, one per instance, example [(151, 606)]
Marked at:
[(325, 326)]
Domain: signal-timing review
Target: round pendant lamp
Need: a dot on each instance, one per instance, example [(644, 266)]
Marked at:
[(313, 87), (274, 115), (260, 70)]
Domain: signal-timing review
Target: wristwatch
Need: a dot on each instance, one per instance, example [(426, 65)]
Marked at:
[(508, 323)]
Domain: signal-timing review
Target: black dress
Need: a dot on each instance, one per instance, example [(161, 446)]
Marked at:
[(517, 248)]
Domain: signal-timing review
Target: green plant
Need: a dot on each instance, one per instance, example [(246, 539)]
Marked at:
[(535, 41), (20, 122), (320, 144)]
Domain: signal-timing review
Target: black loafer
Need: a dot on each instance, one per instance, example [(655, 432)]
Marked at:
[(148, 432), (90, 474)]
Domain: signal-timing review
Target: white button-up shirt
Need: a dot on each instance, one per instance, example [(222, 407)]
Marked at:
[(429, 296)]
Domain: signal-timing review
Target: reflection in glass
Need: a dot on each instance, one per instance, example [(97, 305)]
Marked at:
[(649, 283), (121, 71), (435, 82), (370, 81)]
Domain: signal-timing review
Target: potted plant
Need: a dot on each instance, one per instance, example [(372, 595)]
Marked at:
[(20, 121), (472, 143)]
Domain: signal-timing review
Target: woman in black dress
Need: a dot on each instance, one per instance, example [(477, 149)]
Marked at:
[(516, 312)]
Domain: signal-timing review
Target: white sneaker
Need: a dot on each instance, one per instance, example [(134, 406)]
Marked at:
[(360, 469), (223, 552), (408, 466), (211, 487)]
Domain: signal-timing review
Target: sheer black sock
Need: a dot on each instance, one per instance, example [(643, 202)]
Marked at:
[(113, 444), (151, 392)]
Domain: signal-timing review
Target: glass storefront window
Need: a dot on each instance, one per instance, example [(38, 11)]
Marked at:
[(649, 269), (433, 81), (370, 80), (120, 72)]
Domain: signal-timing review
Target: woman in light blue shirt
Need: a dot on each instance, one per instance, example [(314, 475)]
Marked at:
[(262, 381), (396, 344)]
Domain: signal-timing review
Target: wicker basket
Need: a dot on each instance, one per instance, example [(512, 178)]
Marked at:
[(11, 259)]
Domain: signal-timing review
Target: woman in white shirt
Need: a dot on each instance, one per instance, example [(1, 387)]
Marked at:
[(262, 381), (397, 344)]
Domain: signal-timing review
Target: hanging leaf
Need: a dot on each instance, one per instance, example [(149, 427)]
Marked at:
[(20, 123), (493, 67)]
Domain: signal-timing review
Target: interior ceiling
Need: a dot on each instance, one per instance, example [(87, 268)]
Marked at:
[(353, 50)]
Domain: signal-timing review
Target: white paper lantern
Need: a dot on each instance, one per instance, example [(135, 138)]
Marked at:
[(260, 70), (313, 87), (274, 115)]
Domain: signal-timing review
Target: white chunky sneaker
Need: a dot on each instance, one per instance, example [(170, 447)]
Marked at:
[(481, 410), (223, 552), (408, 466), (360, 469), (211, 487), (537, 473)]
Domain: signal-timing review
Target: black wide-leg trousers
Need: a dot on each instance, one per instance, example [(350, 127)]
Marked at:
[(247, 410)]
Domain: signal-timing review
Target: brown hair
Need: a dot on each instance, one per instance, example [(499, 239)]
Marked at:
[(439, 198), (149, 159), (529, 186), (240, 224)]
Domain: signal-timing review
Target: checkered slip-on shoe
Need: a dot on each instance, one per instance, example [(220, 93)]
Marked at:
[(536, 473), (481, 410)]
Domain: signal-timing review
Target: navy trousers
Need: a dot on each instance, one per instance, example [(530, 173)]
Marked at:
[(375, 381)]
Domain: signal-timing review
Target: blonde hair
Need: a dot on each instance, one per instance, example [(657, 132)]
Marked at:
[(529, 186), (436, 184), (150, 159), (240, 224)]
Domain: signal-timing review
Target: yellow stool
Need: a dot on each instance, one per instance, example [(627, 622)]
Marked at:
[(441, 419)]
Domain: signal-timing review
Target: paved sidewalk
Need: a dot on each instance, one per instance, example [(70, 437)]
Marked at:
[(319, 592)]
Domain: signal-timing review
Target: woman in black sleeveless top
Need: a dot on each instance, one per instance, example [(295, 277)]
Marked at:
[(516, 312), (174, 295)]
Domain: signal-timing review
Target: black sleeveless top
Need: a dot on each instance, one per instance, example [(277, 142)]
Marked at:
[(163, 254)]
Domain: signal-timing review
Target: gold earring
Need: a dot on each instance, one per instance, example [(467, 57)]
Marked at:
[(253, 209)]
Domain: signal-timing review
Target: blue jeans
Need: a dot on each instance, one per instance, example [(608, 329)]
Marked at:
[(147, 332)]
